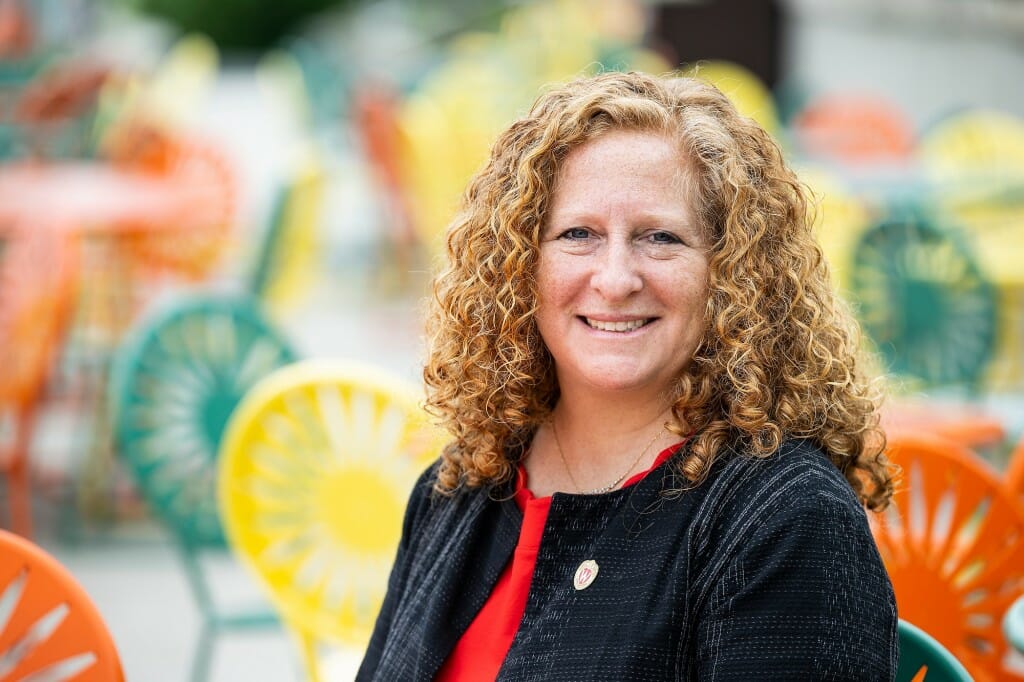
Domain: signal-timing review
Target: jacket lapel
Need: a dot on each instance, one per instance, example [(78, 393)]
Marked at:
[(458, 560)]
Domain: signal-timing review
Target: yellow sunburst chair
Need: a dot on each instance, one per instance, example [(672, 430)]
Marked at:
[(748, 93), (975, 160), (315, 469)]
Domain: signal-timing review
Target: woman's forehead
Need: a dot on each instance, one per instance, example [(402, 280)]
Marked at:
[(644, 165)]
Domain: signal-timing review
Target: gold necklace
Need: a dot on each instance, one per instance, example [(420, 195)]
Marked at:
[(614, 484)]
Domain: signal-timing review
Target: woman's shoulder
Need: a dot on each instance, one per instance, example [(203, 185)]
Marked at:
[(799, 468), (788, 549), (425, 489), (795, 498), (796, 482), (427, 502), (424, 492)]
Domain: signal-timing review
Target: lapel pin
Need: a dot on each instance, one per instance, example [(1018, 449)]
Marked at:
[(585, 574)]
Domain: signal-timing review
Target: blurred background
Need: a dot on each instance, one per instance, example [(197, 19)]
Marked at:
[(193, 194)]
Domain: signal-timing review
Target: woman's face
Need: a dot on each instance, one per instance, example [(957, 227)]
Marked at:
[(623, 268)]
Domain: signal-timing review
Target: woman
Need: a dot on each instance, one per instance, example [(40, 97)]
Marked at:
[(663, 443)]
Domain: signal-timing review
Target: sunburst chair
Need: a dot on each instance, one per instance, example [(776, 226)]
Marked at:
[(315, 470), (855, 128), (952, 543), (174, 384), (924, 300), (49, 628), (923, 659), (931, 311), (974, 159), (36, 290)]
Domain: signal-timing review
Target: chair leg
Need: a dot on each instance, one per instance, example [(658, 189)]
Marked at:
[(308, 644), (20, 500), (18, 479), (204, 653)]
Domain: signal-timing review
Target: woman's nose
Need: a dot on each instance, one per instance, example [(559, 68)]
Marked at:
[(617, 274)]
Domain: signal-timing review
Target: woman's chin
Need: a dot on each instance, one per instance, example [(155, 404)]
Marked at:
[(616, 378)]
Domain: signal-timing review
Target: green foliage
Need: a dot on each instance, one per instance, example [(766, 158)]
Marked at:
[(239, 24)]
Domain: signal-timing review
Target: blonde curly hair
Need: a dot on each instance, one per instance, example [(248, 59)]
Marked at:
[(779, 355)]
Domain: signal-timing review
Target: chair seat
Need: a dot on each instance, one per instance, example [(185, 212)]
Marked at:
[(316, 467), (924, 301), (923, 658), (49, 627), (951, 545), (174, 385), (959, 423)]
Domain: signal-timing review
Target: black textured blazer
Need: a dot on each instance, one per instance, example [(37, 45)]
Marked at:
[(765, 571)]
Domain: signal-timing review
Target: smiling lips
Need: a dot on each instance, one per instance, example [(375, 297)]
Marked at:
[(623, 326)]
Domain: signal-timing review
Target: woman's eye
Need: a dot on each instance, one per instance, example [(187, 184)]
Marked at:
[(663, 238), (576, 233)]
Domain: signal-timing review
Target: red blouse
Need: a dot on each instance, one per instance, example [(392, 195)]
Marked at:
[(481, 650)]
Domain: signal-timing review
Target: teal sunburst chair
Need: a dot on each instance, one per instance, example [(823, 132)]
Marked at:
[(923, 659), (174, 384), (925, 301)]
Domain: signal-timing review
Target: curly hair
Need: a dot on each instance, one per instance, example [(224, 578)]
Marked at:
[(779, 357)]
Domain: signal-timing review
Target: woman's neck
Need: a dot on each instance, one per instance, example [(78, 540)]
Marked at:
[(590, 443), (601, 431)]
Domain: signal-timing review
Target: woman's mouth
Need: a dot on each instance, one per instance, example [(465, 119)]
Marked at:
[(620, 326)]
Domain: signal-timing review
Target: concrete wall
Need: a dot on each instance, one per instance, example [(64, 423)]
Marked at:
[(929, 57)]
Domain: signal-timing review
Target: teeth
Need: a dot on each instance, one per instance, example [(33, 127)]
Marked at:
[(616, 326)]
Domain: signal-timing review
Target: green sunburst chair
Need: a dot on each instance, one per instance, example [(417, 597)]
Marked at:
[(174, 384), (924, 300), (923, 659)]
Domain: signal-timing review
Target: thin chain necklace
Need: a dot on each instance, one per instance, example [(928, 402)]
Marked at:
[(614, 484)]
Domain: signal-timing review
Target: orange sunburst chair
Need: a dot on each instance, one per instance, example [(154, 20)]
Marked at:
[(49, 628), (194, 250), (855, 129), (953, 543), (967, 425), (36, 292)]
